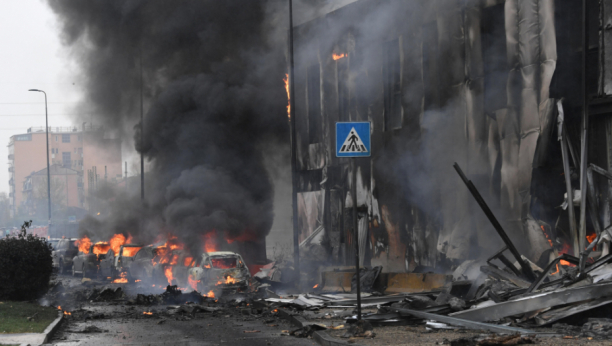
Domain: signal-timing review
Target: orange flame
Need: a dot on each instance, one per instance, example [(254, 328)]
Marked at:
[(122, 279), (116, 241), (286, 80), (228, 281), (84, 244), (130, 251), (59, 307), (168, 273), (67, 313), (556, 272), (546, 235), (338, 56), (100, 248), (187, 261), (147, 313), (315, 286), (193, 283), (210, 294)]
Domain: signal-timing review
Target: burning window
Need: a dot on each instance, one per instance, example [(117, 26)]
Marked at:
[(392, 85), (314, 104), (130, 251), (101, 249), (224, 262)]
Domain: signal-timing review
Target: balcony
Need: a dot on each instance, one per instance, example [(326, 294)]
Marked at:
[(11, 169), (11, 157)]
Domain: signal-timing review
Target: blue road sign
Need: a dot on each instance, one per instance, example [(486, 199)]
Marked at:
[(353, 139)]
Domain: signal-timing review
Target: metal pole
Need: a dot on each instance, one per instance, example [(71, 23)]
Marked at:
[(48, 166), (356, 235), (142, 184), (294, 171), (526, 268), (563, 139), (585, 129)]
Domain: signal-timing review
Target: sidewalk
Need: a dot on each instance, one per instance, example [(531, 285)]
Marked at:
[(31, 338)]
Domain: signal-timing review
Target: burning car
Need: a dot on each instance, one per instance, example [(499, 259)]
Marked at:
[(225, 270), (124, 259), (65, 251), (88, 259)]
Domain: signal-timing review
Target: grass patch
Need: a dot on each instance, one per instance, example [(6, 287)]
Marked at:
[(14, 317)]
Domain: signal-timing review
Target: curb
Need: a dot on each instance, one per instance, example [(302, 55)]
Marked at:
[(33, 338), (320, 336), (53, 327)]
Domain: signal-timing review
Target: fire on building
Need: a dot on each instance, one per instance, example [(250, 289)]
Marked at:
[(494, 86)]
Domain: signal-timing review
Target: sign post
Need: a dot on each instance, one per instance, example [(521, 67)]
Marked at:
[(353, 140)]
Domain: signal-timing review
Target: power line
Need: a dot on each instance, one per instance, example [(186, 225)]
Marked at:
[(36, 115), (33, 103)]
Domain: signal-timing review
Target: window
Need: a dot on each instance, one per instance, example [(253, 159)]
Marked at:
[(79, 138), (56, 138), (314, 103), (392, 85), (23, 137), (224, 263), (66, 161), (66, 138)]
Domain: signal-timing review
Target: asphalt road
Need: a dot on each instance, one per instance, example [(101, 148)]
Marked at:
[(124, 324)]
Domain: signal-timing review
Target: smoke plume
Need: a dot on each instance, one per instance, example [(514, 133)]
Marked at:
[(214, 103)]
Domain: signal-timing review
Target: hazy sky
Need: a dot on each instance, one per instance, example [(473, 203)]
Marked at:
[(32, 58)]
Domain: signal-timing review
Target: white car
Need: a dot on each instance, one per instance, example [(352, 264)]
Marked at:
[(222, 270)]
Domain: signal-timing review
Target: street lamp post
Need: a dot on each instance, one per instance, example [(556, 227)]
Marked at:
[(48, 168)]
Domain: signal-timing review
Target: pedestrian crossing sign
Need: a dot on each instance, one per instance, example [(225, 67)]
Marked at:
[(353, 139)]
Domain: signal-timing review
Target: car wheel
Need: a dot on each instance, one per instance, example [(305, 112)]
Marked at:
[(73, 274)]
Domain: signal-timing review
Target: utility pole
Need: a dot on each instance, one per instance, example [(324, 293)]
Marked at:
[(48, 166), (142, 184), (294, 171)]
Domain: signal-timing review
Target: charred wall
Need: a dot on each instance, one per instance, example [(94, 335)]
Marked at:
[(441, 81)]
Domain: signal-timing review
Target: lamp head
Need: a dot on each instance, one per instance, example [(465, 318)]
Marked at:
[(33, 90)]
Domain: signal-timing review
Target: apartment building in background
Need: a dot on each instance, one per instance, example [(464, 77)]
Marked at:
[(82, 155)]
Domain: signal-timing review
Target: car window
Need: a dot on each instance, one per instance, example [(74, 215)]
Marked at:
[(143, 253), (71, 245), (224, 262)]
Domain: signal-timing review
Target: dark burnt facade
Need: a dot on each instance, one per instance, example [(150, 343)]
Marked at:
[(472, 82)]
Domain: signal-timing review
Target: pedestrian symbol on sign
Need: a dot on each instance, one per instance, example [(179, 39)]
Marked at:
[(353, 139), (353, 143)]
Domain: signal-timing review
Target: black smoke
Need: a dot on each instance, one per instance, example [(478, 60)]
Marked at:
[(214, 104)]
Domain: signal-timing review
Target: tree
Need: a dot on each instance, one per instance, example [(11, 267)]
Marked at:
[(26, 266)]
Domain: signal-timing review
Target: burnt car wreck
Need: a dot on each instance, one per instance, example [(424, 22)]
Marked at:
[(222, 270)]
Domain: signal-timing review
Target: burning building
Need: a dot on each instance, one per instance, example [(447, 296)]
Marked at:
[(480, 83)]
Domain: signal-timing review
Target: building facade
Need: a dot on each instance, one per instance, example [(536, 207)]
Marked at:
[(84, 150), (479, 83)]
